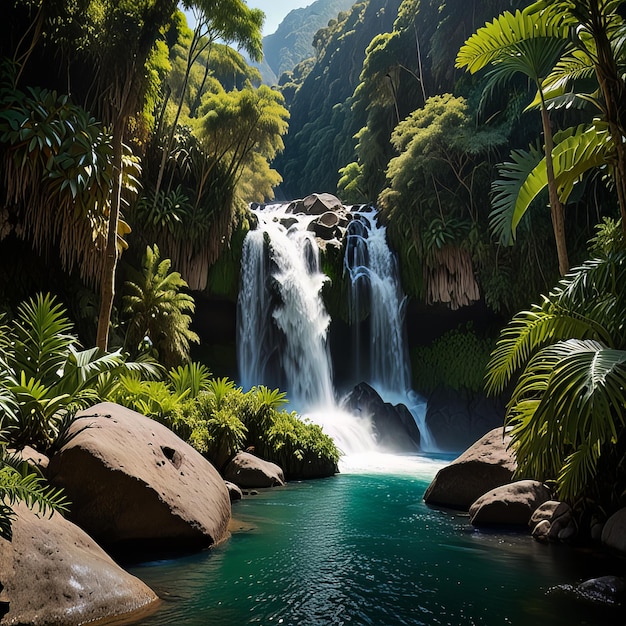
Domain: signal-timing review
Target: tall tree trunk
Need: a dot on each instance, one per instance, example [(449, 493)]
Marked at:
[(107, 283), (614, 94), (195, 50), (556, 208)]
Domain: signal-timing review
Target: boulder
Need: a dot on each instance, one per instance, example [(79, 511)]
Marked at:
[(54, 573), (605, 590), (394, 426), (553, 521), (485, 465), (234, 492), (511, 504), (318, 204), (34, 458), (134, 484), (614, 532), (457, 418), (324, 231), (247, 471)]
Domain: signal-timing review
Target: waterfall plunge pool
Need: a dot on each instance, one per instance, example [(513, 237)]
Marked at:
[(362, 548)]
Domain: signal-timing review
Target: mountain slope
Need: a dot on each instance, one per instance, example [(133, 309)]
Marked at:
[(292, 41)]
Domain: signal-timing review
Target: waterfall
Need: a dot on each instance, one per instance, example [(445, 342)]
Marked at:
[(375, 288), (283, 324)]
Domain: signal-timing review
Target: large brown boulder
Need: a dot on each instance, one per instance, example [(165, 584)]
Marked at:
[(249, 471), (54, 573), (485, 465), (135, 484), (511, 504)]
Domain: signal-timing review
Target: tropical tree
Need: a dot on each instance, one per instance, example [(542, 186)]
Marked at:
[(574, 83), (530, 44), (237, 125), (597, 30), (433, 193), (566, 359), (158, 311), (55, 152), (230, 21)]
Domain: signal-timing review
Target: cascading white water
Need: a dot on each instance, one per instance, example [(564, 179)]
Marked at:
[(283, 325), (282, 322), (375, 287)]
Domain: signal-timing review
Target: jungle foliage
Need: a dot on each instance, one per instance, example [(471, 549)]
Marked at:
[(456, 360)]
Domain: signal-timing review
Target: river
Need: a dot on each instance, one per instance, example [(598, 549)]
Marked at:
[(362, 548)]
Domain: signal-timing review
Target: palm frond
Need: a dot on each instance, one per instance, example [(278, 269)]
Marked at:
[(501, 36), (42, 338), (506, 189)]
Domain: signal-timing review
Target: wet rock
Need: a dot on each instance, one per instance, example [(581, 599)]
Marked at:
[(485, 465), (511, 504), (606, 590), (559, 517), (541, 531), (133, 483), (317, 204), (247, 470), (614, 532), (54, 573), (394, 426)]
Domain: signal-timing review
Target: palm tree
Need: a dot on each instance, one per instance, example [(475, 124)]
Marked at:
[(598, 32), (530, 45), (567, 360), (158, 310)]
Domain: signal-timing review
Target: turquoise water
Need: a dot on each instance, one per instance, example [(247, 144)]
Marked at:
[(362, 548)]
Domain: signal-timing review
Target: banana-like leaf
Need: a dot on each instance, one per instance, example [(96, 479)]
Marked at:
[(572, 157)]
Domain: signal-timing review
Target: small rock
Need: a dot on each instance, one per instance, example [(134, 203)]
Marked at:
[(541, 531), (234, 491), (544, 512), (568, 533), (247, 470)]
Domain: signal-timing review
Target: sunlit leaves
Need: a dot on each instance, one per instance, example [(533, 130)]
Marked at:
[(567, 409), (159, 310)]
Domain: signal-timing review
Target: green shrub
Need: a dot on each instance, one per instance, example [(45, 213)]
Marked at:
[(458, 360)]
